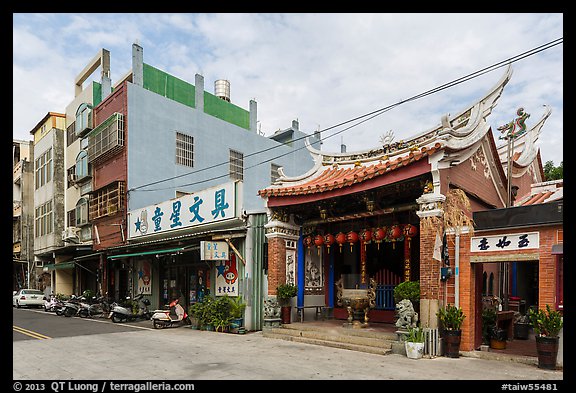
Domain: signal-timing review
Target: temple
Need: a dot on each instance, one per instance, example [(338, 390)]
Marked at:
[(380, 214)]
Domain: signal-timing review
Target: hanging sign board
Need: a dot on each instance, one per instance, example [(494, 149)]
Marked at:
[(214, 251), (505, 242)]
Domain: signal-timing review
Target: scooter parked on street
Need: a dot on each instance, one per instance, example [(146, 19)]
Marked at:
[(72, 306), (173, 316), (127, 312), (51, 304)]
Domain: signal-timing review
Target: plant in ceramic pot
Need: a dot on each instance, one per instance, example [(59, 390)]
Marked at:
[(285, 293), (547, 325), (237, 307), (414, 343), (489, 318), (498, 337), (451, 319)]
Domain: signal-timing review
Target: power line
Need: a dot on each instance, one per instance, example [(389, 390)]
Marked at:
[(366, 117)]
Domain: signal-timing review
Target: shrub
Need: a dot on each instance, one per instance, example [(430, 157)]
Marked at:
[(546, 323), (451, 317), (407, 290)]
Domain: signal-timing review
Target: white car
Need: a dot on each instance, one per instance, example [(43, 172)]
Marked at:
[(28, 297)]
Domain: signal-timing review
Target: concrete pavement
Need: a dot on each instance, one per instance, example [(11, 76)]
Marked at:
[(186, 354)]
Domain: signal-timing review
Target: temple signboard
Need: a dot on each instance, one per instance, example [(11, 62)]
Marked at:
[(505, 242)]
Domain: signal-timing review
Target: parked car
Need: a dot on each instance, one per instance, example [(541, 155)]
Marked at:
[(28, 297)]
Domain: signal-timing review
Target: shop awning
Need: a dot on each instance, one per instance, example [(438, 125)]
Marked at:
[(558, 249), (62, 265), (135, 254)]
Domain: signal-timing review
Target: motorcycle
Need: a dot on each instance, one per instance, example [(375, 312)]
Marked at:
[(96, 308), (173, 316), (52, 304), (126, 312), (71, 307)]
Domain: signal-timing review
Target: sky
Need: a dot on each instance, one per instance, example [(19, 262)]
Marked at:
[(319, 69)]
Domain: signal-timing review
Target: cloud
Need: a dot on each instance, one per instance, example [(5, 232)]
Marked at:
[(321, 69)]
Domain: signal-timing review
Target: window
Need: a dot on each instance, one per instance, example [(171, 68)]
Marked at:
[(184, 149), (236, 165), (107, 201), (81, 212), (83, 119), (43, 171), (44, 219), (71, 134), (274, 175), (81, 165), (107, 139)]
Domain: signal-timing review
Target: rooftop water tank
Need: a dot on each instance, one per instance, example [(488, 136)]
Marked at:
[(222, 89)]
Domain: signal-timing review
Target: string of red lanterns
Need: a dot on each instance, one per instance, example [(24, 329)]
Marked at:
[(392, 234)]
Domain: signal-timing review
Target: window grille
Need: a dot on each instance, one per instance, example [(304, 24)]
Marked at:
[(236, 165), (184, 149), (107, 201)]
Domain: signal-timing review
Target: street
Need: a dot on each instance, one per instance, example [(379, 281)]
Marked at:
[(97, 349)]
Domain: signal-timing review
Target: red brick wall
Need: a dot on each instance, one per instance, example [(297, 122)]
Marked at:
[(429, 267), (547, 271), (276, 263)]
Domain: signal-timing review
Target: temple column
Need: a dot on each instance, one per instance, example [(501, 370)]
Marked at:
[(431, 223), (282, 234)]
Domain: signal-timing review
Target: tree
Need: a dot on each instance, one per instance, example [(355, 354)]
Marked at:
[(553, 173)]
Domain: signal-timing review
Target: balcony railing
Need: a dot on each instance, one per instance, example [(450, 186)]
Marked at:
[(107, 139)]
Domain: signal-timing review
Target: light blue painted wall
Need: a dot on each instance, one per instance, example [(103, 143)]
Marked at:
[(152, 124)]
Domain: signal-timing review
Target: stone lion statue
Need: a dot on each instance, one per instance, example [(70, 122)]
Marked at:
[(407, 317), (271, 308)]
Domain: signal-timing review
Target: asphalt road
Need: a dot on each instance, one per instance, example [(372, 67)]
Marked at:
[(83, 349)]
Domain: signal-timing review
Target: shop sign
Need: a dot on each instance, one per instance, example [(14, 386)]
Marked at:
[(200, 208), (506, 242), (227, 277), (214, 251), (144, 277)]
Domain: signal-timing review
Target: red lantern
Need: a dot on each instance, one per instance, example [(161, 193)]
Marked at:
[(341, 239), (379, 235), (351, 237), (329, 239), (366, 236), (409, 232), (394, 234), (319, 242), (308, 242)]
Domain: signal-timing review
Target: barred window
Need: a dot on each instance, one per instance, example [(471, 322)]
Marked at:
[(184, 149), (236, 165)]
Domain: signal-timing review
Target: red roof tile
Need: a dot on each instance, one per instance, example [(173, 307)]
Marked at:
[(335, 177)]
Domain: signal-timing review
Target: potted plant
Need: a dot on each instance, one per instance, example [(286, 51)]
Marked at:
[(285, 292), (451, 318), (489, 318), (408, 290), (220, 314), (498, 337), (547, 325), (237, 310), (522, 327), (414, 343)]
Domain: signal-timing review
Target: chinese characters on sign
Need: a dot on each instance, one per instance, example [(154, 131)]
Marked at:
[(505, 242), (202, 207), (227, 277), (214, 251)]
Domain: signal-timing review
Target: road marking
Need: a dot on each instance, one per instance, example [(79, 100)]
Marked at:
[(30, 333)]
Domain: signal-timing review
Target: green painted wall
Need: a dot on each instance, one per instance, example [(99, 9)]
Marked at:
[(183, 92)]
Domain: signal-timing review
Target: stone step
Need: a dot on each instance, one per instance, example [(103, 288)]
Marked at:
[(379, 350), (353, 339)]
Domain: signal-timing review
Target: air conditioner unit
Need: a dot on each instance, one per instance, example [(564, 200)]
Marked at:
[(70, 233), (72, 178)]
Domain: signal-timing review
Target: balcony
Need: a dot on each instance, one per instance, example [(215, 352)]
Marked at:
[(17, 172), (107, 139), (107, 201)]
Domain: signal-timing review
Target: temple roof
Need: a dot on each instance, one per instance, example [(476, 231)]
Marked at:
[(455, 139), (542, 193)]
